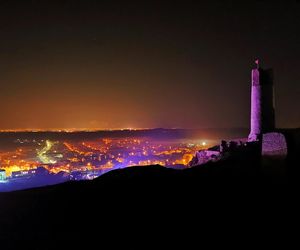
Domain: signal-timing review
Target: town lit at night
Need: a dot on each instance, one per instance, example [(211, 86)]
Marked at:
[(147, 124), (35, 162)]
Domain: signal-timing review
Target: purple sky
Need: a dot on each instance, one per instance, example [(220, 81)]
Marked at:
[(108, 64)]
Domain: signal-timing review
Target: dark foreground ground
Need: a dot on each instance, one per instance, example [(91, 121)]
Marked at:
[(230, 201), (146, 203)]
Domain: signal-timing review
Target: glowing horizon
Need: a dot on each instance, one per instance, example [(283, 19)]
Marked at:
[(137, 70)]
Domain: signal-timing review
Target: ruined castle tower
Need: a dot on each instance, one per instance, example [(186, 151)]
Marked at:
[(262, 103)]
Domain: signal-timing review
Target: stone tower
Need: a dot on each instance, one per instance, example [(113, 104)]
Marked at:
[(262, 103)]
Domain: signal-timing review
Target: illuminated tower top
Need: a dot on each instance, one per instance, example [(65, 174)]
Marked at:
[(262, 103)]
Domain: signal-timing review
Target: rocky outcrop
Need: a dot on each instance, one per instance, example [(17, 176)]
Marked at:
[(274, 145)]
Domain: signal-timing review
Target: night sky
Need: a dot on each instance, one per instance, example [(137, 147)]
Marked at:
[(107, 64)]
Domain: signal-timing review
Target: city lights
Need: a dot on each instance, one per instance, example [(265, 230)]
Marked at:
[(78, 160)]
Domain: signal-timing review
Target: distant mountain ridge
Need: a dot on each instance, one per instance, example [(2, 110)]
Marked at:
[(210, 133)]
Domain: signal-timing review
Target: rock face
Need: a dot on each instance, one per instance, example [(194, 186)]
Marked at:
[(274, 145), (237, 150), (205, 156)]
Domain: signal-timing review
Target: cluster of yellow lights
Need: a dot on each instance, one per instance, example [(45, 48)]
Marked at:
[(14, 161)]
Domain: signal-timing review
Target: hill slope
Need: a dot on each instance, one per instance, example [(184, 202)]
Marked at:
[(141, 197)]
